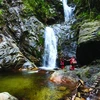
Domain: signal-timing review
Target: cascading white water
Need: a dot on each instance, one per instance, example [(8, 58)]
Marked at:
[(50, 52), (68, 11)]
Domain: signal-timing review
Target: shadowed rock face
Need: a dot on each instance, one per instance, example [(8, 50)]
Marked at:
[(87, 52), (88, 48)]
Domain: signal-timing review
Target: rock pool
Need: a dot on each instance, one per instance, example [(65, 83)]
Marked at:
[(31, 86)]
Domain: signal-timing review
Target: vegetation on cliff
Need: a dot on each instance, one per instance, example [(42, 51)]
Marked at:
[(44, 10), (88, 9), (1, 12)]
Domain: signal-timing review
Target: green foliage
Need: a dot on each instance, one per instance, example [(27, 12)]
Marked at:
[(1, 17), (1, 2), (88, 9), (84, 15), (87, 74), (98, 33), (98, 17), (27, 9), (40, 8), (0, 12)]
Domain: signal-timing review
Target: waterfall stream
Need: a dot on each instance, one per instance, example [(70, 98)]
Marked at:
[(68, 11), (51, 35), (50, 52)]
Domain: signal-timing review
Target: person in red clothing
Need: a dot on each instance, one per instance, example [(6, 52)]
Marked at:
[(62, 64), (73, 63)]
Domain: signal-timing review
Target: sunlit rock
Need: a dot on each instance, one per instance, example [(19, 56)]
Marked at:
[(7, 96), (63, 78)]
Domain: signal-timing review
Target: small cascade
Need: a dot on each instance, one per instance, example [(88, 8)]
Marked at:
[(50, 52), (68, 11)]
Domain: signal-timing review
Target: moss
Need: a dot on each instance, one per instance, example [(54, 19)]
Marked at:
[(87, 74), (98, 33)]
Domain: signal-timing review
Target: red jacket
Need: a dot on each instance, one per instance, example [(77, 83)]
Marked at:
[(73, 60)]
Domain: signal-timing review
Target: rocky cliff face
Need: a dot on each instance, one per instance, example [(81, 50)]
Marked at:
[(25, 32)]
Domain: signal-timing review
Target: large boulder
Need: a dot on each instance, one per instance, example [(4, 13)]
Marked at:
[(67, 79), (88, 43)]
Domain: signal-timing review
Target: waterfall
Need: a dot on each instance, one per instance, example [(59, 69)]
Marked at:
[(50, 47), (68, 11), (50, 52)]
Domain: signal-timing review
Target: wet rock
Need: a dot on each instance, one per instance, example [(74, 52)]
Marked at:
[(88, 74), (65, 38), (7, 96), (65, 79), (27, 65)]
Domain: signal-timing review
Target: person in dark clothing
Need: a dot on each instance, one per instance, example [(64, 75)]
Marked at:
[(62, 64), (1, 38)]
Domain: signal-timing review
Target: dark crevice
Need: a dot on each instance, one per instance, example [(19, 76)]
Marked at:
[(87, 52)]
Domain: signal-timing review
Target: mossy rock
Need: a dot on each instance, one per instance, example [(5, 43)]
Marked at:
[(89, 31)]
